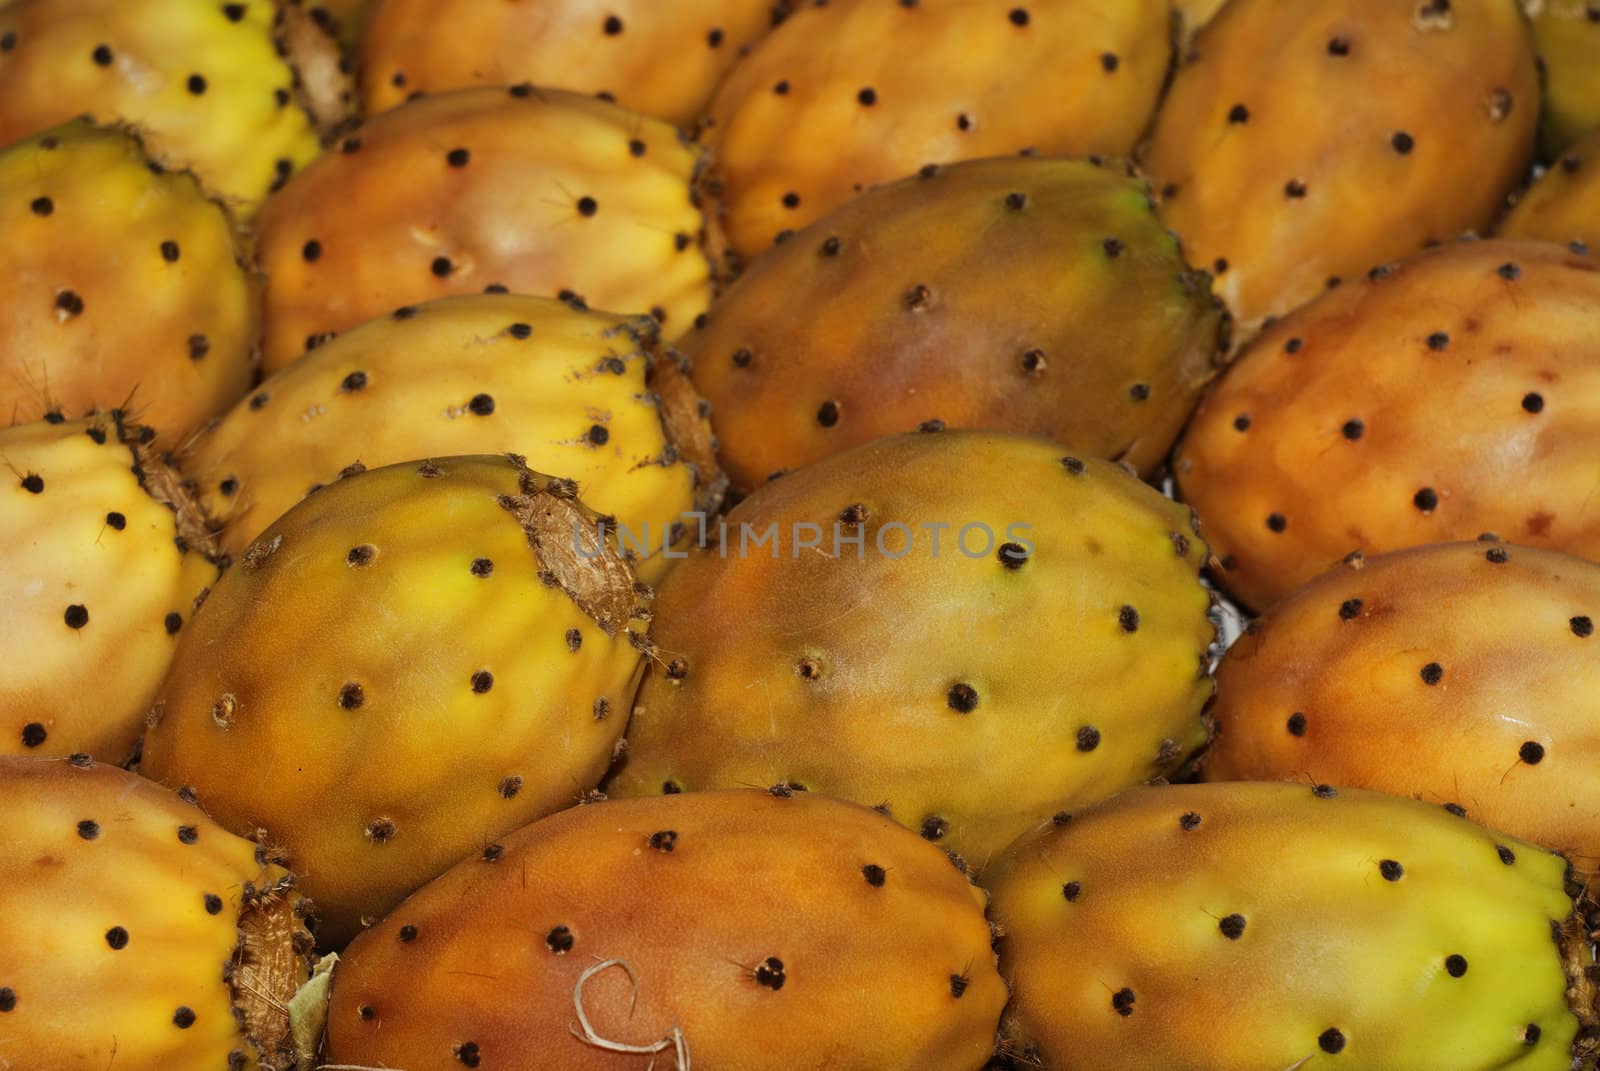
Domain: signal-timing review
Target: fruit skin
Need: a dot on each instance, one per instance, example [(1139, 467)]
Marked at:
[(138, 933), (1032, 683), (139, 61), (662, 60), (125, 286), (1333, 684), (1034, 296), (786, 932), (1567, 34), (539, 191), (1307, 142), (1195, 14), (412, 661), (1448, 396), (1286, 913), (1564, 205), (587, 394), (821, 110), (103, 557)]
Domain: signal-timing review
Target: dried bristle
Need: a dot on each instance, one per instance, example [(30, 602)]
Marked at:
[(571, 547), (342, 19), (1058, 655), (1033, 296), (1329, 687), (821, 110), (202, 80), (1475, 420), (124, 284), (170, 942), (373, 680), (590, 395), (532, 190), (1302, 144), (1431, 936), (661, 60), (713, 948), (324, 84), (108, 558)]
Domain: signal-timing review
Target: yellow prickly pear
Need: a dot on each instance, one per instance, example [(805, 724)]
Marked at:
[(590, 395), (125, 286), (411, 662), (1059, 652), (231, 90), (137, 932), (104, 557)]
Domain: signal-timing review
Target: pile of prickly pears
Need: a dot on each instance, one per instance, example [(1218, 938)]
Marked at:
[(800, 535)]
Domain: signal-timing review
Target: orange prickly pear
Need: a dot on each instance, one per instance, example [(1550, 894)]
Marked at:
[(1033, 296), (1301, 144), (821, 110), (783, 930), (1432, 400)]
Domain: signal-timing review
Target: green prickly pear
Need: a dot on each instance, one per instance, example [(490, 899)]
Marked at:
[(1217, 927)]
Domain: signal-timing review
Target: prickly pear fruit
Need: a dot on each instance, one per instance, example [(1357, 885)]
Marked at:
[(1195, 14), (1567, 34), (103, 557), (138, 933), (538, 191), (124, 286), (1320, 928), (587, 394), (1444, 397), (1564, 205), (1036, 296), (1059, 620), (821, 110), (1288, 158), (1375, 677), (341, 19), (202, 81), (662, 60), (728, 929), (409, 663)]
